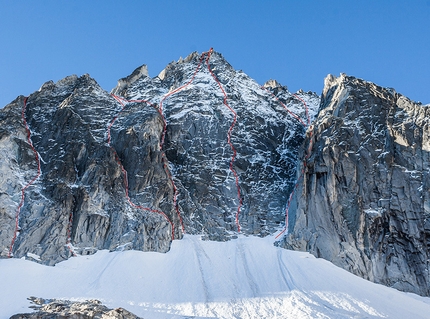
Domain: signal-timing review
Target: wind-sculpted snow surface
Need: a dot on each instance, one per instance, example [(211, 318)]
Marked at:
[(243, 278), (119, 174)]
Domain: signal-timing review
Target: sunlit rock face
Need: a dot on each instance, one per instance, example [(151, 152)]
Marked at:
[(364, 202)]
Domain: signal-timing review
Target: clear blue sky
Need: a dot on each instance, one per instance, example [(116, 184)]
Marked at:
[(295, 42)]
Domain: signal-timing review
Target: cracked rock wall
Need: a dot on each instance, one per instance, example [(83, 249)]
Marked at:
[(364, 201)]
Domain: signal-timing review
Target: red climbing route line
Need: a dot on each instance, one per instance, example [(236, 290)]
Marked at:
[(36, 156), (302, 173), (164, 158), (121, 101), (289, 111), (306, 108), (163, 154), (173, 92), (175, 190), (229, 138)]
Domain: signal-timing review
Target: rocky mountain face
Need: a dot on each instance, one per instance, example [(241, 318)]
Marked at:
[(200, 148), (203, 149), (364, 201), (65, 309)]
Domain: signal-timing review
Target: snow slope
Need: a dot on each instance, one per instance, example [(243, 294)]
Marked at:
[(243, 278)]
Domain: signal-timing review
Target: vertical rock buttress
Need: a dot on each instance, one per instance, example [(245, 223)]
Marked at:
[(364, 201)]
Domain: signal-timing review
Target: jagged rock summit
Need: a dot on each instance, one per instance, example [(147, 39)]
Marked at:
[(201, 148), (204, 149), (364, 201)]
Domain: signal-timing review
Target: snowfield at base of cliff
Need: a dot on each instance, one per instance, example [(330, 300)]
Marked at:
[(246, 277)]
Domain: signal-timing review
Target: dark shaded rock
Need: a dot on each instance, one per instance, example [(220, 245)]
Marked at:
[(78, 205), (81, 187), (265, 136)]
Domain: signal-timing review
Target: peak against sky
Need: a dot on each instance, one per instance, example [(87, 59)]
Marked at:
[(295, 42)]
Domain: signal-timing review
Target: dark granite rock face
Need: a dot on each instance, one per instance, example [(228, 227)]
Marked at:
[(79, 197), (95, 149), (202, 148), (364, 201), (65, 309), (264, 136)]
